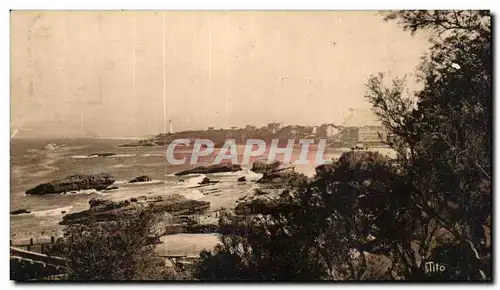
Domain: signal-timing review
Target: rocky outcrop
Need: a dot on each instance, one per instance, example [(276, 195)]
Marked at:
[(207, 180), (242, 179), (216, 168), (275, 172), (256, 206), (105, 154), (324, 169), (260, 202), (262, 167), (19, 211), (115, 211), (279, 175), (73, 183), (259, 191), (142, 178)]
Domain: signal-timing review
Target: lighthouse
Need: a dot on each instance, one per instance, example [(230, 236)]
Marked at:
[(170, 131)]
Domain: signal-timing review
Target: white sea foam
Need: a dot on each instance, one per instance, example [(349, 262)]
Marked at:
[(194, 180), (52, 212), (121, 155), (83, 156), (82, 191), (222, 174), (192, 194), (120, 182), (97, 156), (250, 175), (153, 155), (154, 181)]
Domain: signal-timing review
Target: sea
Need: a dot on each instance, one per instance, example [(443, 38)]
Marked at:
[(35, 161)]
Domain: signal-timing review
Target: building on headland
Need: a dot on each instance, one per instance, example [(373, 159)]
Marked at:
[(327, 131), (274, 127), (349, 135), (331, 131), (369, 135), (372, 134), (250, 128)]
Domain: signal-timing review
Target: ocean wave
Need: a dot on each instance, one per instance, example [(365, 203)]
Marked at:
[(37, 168), (52, 212), (154, 181), (191, 181), (120, 182), (83, 156), (222, 174), (97, 156), (82, 191), (250, 175), (121, 155), (123, 165), (153, 155), (192, 194)]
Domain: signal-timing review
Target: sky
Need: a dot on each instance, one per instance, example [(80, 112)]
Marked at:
[(126, 73)]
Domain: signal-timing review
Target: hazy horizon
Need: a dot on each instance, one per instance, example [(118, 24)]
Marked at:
[(126, 73)]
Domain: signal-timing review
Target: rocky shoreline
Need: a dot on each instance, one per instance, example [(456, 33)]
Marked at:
[(183, 215), (179, 214), (106, 211)]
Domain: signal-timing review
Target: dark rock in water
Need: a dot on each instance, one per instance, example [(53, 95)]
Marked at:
[(74, 182), (324, 169), (141, 143), (110, 188), (206, 180), (216, 168), (115, 212), (105, 154), (242, 179), (19, 211), (142, 178), (275, 172), (262, 167)]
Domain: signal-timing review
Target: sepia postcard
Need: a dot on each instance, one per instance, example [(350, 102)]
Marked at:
[(251, 145)]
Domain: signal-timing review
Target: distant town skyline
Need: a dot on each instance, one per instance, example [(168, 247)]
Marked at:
[(126, 74)]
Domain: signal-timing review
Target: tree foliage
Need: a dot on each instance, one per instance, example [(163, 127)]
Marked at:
[(120, 251), (320, 231), (444, 141), (374, 218)]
